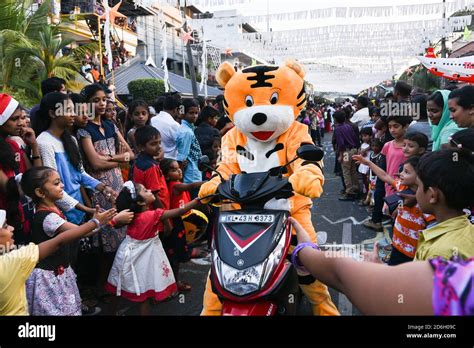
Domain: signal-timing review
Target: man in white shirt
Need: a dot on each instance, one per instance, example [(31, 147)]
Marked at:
[(361, 116), (166, 124)]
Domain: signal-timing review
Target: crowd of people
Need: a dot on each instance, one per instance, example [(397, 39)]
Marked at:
[(97, 195), (409, 159), (101, 190), (90, 68)]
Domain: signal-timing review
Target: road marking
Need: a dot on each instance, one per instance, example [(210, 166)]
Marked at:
[(344, 305), (353, 219)]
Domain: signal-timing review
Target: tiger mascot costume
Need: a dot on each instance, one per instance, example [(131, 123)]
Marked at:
[(263, 103)]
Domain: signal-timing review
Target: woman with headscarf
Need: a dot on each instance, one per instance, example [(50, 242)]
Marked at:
[(442, 125)]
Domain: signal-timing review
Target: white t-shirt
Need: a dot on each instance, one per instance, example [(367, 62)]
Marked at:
[(363, 168), (361, 117), (168, 127)]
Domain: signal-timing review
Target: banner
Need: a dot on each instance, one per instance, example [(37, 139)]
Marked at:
[(107, 28), (164, 48)]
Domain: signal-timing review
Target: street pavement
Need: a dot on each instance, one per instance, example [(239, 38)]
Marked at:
[(340, 220)]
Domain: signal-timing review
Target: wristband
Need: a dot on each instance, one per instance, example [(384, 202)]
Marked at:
[(94, 220), (294, 256), (35, 158), (112, 223)]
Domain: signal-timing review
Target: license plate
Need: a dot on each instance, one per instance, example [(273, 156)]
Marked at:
[(248, 218)]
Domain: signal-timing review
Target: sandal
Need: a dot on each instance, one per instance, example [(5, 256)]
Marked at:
[(183, 287)]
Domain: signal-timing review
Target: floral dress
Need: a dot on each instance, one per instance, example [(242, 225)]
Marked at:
[(105, 144), (51, 288)]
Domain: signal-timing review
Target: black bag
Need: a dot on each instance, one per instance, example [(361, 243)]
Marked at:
[(393, 201)]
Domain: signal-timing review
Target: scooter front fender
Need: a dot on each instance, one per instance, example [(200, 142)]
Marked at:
[(258, 309)]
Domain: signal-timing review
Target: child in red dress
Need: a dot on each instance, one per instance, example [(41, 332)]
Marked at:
[(141, 270)]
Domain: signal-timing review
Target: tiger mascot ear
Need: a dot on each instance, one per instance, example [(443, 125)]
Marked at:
[(224, 73), (297, 67)]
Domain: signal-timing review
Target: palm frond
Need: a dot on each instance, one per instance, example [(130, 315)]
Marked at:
[(64, 72), (32, 87), (37, 21), (80, 51), (11, 16)]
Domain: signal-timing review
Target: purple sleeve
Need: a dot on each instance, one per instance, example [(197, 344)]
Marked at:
[(453, 293), (339, 139)]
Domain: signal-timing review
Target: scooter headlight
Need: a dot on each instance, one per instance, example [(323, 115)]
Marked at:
[(252, 279)]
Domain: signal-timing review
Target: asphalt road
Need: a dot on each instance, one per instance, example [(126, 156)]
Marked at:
[(340, 220)]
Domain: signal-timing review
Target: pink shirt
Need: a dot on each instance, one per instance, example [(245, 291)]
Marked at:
[(394, 156)]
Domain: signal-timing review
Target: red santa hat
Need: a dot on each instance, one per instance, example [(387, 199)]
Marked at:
[(8, 105)]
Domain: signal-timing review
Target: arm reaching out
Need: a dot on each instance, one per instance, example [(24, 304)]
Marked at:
[(172, 213), (50, 246), (373, 288), (382, 174), (187, 187)]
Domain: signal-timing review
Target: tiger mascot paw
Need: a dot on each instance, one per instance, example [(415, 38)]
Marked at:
[(308, 181)]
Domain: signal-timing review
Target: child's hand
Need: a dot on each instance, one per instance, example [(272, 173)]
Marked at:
[(109, 194), (124, 217), (360, 159), (301, 233), (105, 216)]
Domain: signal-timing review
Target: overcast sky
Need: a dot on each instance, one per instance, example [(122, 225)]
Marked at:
[(350, 85)]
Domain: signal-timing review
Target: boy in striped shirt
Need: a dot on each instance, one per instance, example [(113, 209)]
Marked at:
[(410, 220)]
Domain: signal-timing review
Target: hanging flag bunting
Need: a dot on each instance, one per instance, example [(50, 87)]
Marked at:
[(107, 28), (164, 49), (203, 83)]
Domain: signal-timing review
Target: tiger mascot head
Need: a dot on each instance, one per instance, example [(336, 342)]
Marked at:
[(263, 101)]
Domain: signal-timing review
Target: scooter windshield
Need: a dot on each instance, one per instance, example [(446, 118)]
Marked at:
[(255, 188)]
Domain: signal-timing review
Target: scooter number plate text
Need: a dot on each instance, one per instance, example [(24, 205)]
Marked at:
[(248, 218)]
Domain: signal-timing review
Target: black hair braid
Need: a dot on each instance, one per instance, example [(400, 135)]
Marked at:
[(71, 148)]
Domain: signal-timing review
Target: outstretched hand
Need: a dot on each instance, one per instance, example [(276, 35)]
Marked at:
[(105, 216), (360, 159), (301, 234), (124, 217)]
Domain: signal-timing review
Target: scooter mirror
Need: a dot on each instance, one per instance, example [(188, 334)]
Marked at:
[(203, 163), (310, 152)]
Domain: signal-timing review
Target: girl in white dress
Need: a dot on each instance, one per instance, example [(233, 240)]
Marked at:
[(141, 270)]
